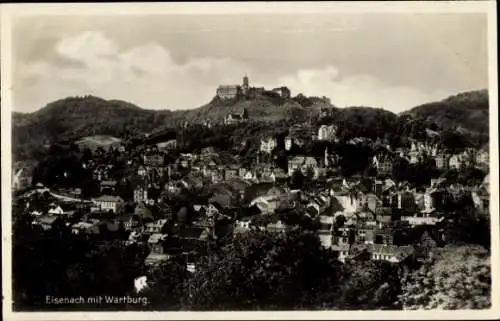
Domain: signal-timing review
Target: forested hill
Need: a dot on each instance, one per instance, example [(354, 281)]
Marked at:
[(75, 117), (467, 112)]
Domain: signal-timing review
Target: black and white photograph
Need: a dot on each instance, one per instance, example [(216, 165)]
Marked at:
[(246, 157)]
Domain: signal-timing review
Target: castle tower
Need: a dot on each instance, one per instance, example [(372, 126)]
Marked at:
[(245, 85)]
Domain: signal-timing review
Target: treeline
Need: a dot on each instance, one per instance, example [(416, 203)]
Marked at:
[(75, 117)]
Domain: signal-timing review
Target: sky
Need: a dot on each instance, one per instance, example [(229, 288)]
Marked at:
[(393, 61)]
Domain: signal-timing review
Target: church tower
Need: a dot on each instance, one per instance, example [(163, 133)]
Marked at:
[(245, 86)]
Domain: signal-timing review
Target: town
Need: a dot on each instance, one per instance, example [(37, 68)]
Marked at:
[(181, 204)]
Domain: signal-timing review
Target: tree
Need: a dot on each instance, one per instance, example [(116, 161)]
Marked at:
[(260, 270), (400, 170), (368, 284), (166, 285), (297, 180), (459, 278)]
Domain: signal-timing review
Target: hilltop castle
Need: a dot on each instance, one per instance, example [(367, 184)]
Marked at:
[(228, 92)]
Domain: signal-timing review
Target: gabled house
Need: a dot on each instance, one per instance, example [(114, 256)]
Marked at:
[(342, 251), (231, 172), (55, 210), (153, 160), (155, 226), (327, 132), (305, 164), (156, 242), (130, 221), (382, 163), (319, 204), (483, 157), (141, 171), (268, 144), (109, 203), (390, 253), (140, 194), (442, 161), (455, 162)]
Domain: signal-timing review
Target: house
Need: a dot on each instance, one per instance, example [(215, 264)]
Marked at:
[(21, 179), (156, 242), (483, 157), (156, 259), (383, 164), (405, 201), (130, 221), (267, 204), (109, 203), (169, 145), (250, 175), (85, 228), (325, 238), (217, 176), (327, 132), (455, 162), (288, 142), (140, 194), (143, 212), (107, 186), (278, 175), (268, 144), (369, 201), (155, 226), (347, 203), (442, 161), (153, 160), (55, 210), (189, 238), (319, 204), (276, 226), (231, 172), (416, 220), (304, 164), (141, 171), (213, 209), (46, 222), (231, 119), (342, 250), (345, 234), (390, 253), (242, 225)]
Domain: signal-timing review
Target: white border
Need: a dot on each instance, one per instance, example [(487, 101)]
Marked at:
[(11, 11)]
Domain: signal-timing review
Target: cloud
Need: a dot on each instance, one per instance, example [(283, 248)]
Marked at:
[(148, 76), (145, 75), (358, 90)]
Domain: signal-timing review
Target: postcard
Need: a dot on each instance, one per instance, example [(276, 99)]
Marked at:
[(250, 160)]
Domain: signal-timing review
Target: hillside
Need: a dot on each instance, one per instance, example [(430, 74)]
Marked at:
[(260, 108), (467, 112), (75, 117)]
